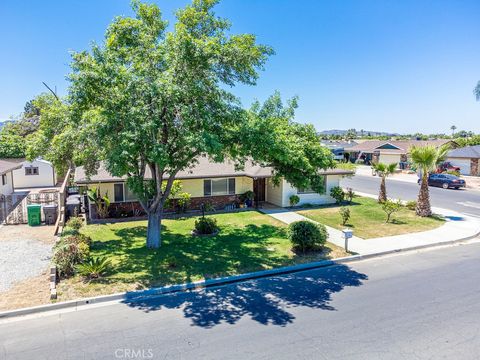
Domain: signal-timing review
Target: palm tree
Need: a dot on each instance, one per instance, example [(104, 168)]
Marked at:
[(426, 159), (453, 128), (384, 170)]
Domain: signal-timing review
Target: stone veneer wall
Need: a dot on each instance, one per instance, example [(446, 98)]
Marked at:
[(474, 168)]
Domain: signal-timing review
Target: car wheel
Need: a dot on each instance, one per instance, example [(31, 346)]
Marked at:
[(445, 185), (456, 188)]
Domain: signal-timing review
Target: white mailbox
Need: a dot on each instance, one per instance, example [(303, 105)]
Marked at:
[(347, 234)]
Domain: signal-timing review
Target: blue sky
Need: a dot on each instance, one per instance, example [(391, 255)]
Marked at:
[(400, 66)]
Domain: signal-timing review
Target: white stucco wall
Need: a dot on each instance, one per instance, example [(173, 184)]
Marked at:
[(46, 175), (6, 189), (274, 194), (280, 195)]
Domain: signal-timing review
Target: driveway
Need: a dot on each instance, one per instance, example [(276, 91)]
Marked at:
[(25, 252)]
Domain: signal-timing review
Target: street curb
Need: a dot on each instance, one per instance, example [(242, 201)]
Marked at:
[(141, 294)]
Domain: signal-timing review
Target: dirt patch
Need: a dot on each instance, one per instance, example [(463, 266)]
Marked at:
[(41, 233), (30, 292)]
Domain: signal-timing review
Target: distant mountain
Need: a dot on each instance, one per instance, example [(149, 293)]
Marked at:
[(358, 133)]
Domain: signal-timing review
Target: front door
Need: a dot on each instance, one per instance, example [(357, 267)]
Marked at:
[(259, 189)]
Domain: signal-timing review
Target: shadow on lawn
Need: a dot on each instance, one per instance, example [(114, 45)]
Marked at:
[(266, 301), (184, 258)]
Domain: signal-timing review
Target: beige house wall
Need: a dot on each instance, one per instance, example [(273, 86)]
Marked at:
[(389, 158), (192, 186)]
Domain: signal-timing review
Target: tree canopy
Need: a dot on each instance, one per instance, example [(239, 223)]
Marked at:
[(149, 102)]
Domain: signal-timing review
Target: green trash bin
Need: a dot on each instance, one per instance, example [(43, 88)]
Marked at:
[(34, 215)]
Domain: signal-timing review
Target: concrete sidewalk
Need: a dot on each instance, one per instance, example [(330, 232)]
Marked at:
[(457, 227)]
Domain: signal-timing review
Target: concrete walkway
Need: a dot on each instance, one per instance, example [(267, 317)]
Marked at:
[(456, 227)]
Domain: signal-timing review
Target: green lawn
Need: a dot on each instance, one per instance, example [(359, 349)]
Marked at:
[(368, 219), (248, 241)]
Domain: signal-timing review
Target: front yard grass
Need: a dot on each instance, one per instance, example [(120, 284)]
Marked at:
[(368, 219), (248, 241)]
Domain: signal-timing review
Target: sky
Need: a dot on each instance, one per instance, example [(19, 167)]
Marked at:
[(399, 66)]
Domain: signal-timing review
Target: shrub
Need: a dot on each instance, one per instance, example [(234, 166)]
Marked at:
[(338, 194), (391, 207), (345, 214), (75, 223), (350, 194), (306, 235), (453, 172), (360, 162), (294, 200), (411, 205), (183, 202), (94, 268), (205, 226), (69, 251), (69, 231), (68, 255)]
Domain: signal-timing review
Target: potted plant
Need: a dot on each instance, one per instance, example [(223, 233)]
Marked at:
[(247, 198)]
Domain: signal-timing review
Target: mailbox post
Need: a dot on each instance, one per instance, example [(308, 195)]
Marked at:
[(347, 234)]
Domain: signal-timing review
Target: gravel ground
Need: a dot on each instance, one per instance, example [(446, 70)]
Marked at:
[(21, 259), (25, 252)]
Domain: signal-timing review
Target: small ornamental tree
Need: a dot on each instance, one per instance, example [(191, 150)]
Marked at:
[(345, 214), (390, 207)]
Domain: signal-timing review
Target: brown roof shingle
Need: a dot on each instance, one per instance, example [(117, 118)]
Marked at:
[(203, 169)]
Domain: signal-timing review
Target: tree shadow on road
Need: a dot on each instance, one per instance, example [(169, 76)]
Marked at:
[(266, 301)]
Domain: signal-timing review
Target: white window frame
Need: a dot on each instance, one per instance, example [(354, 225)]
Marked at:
[(309, 190), (30, 171)]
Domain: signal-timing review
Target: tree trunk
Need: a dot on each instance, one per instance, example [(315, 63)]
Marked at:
[(154, 230), (423, 203), (382, 195)]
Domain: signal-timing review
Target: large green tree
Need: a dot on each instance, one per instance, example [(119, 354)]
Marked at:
[(149, 102)]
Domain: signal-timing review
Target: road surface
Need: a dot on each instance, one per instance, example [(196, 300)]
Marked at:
[(464, 201), (423, 305)]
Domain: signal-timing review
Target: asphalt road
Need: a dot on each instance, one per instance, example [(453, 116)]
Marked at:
[(464, 201), (424, 305)]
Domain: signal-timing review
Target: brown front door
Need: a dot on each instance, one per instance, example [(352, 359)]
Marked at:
[(259, 189)]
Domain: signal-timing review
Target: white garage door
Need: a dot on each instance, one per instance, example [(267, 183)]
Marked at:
[(389, 158), (463, 164)]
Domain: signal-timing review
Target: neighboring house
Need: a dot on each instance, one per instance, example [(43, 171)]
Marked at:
[(467, 159), (219, 184), (6, 176), (338, 147), (32, 174), (389, 151)]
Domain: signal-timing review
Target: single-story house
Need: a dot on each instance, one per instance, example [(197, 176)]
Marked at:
[(36, 173), (467, 159), (338, 147), (389, 151), (6, 175), (219, 184)]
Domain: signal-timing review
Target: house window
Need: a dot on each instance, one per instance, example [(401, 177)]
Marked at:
[(215, 187), (118, 193), (4, 179), (309, 190), (31, 170), (129, 195)]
